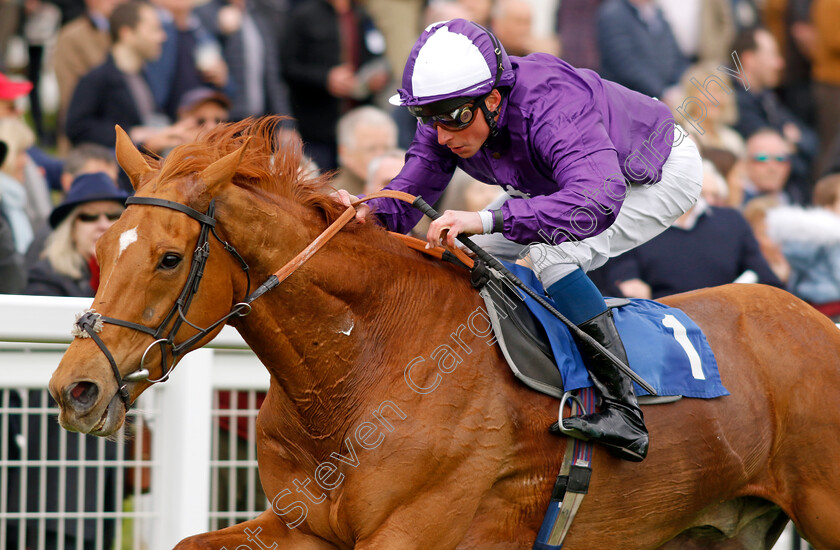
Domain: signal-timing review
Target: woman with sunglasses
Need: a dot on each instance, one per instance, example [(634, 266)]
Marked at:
[(68, 263), (562, 142)]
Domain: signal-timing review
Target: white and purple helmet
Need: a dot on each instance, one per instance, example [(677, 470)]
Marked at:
[(452, 62)]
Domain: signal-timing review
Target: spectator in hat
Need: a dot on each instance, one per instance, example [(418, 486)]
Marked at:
[(10, 91), (68, 264), (38, 164), (12, 272), (87, 158), (203, 109)]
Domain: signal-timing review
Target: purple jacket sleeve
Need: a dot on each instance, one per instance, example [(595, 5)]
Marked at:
[(427, 171), (590, 184)]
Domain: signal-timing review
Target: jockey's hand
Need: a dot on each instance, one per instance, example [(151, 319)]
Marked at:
[(345, 198), (454, 223)]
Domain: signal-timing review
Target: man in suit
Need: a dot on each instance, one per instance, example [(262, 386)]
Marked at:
[(117, 92), (82, 44), (638, 49), (332, 60), (250, 48)]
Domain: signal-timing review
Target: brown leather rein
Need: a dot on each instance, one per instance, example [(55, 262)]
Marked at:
[(322, 239)]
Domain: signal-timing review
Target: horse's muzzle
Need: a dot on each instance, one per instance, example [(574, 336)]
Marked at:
[(84, 409)]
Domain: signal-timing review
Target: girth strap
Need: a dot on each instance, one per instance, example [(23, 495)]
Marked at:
[(572, 483)]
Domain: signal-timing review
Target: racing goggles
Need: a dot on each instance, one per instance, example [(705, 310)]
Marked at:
[(451, 116)]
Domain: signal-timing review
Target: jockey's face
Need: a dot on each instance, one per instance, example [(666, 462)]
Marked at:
[(467, 142)]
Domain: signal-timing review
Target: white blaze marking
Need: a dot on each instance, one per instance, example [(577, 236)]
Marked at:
[(126, 239)]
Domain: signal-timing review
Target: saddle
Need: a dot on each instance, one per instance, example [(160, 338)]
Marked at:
[(664, 346), (524, 341)]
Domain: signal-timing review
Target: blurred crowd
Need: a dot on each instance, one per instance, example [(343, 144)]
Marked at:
[(756, 83)]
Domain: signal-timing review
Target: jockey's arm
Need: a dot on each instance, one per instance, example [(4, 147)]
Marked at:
[(590, 185), (427, 171)]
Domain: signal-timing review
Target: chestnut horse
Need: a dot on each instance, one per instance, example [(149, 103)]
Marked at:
[(391, 423)]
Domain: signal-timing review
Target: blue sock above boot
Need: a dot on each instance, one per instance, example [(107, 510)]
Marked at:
[(577, 297)]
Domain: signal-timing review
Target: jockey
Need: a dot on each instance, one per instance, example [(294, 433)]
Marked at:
[(592, 170)]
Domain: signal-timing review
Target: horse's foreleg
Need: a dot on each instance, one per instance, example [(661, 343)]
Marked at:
[(267, 532)]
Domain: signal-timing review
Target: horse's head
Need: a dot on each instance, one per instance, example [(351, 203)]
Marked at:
[(167, 285)]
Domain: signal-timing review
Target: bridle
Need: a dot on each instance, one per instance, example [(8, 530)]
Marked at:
[(90, 323)]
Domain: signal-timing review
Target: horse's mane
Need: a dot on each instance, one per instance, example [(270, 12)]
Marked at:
[(272, 163)]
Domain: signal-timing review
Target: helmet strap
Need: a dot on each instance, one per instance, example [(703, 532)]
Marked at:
[(490, 116)]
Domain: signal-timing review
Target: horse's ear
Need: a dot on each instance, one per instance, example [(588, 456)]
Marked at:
[(223, 170), (130, 158)]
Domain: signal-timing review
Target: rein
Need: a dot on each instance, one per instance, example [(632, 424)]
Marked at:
[(89, 323), (284, 272)]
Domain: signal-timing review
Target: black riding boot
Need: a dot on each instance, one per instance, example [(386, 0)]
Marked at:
[(620, 425)]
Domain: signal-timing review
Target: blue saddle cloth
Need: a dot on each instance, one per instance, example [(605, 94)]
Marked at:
[(664, 346)]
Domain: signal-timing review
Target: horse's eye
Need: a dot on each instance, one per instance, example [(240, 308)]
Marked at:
[(170, 261)]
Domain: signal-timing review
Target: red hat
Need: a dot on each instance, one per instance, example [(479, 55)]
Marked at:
[(13, 89)]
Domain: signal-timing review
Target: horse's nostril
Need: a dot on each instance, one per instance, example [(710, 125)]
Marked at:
[(82, 395)]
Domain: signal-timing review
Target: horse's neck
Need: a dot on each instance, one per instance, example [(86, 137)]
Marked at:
[(327, 334)]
